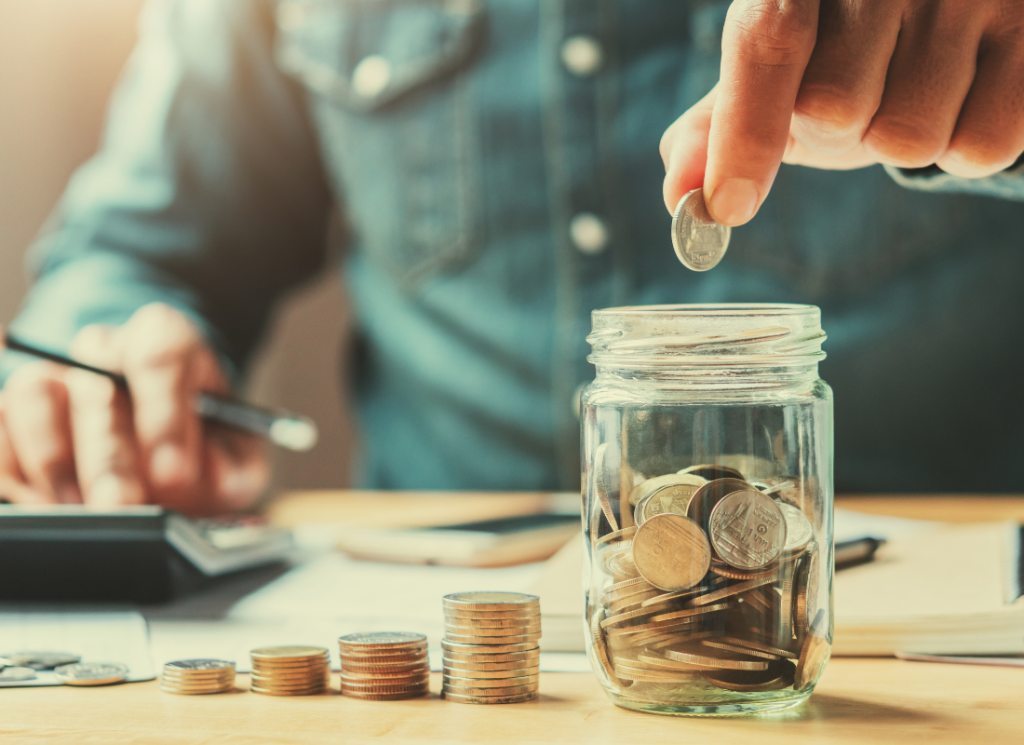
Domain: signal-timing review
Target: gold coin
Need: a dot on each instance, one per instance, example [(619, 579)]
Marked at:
[(489, 649), (286, 654), (671, 552), (619, 618), (724, 570), (525, 613), (661, 643), (288, 668), (676, 632), (305, 675), (672, 498), (629, 632), (459, 699), (384, 640), (645, 488), (522, 680), (533, 628), (806, 587), (218, 675), (775, 678), (631, 602), (491, 601), (627, 587), (718, 644), (481, 691), (387, 696), (204, 692), (757, 600), (730, 590), (689, 612), (385, 659), (799, 531), (492, 623), (708, 496), (390, 677), (747, 530), (760, 646), (270, 692), (666, 597), (419, 687), (499, 641), (638, 672), (490, 661), (517, 672), (602, 487), (712, 472), (288, 684), (662, 663), (725, 663), (813, 656), (618, 535)]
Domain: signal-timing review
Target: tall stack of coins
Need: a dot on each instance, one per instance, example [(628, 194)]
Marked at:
[(491, 652), (715, 584), (386, 666), (197, 677), (290, 671)]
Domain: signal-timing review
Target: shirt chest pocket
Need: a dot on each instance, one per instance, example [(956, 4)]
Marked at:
[(397, 126)]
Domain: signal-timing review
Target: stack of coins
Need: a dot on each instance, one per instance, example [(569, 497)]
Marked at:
[(715, 583), (198, 677), (387, 666), (491, 653), (290, 671)]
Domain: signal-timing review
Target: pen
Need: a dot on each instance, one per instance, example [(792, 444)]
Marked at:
[(858, 551), (282, 428)]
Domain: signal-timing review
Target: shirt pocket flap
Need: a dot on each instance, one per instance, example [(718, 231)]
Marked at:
[(366, 54)]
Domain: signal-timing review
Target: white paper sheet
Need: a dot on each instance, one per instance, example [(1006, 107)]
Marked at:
[(96, 636)]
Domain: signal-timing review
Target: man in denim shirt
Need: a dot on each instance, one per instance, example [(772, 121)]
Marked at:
[(494, 167)]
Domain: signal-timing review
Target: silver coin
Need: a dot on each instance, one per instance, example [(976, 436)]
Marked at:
[(17, 673), (799, 530), (699, 241), (41, 660), (92, 673), (204, 664)]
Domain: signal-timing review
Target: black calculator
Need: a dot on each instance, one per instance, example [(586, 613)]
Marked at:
[(142, 554)]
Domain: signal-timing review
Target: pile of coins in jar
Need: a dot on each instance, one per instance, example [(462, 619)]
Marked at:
[(713, 584)]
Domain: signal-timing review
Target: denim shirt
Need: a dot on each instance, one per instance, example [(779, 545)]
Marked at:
[(493, 189)]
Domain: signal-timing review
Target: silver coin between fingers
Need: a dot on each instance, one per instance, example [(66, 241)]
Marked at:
[(699, 241)]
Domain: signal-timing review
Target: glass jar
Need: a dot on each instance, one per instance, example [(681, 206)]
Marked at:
[(707, 482)]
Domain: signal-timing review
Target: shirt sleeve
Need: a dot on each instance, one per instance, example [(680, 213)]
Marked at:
[(1007, 184), (207, 193)]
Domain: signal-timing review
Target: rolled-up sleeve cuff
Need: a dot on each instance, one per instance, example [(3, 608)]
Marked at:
[(1008, 184), (103, 287)]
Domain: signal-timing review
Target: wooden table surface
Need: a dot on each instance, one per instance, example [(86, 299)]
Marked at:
[(858, 700)]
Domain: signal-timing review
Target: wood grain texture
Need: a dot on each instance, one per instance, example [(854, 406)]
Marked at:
[(877, 701), (858, 700)]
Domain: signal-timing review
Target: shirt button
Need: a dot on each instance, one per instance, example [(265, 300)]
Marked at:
[(371, 76), (581, 55), (588, 233)]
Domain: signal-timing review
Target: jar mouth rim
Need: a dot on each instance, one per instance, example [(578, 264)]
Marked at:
[(715, 309)]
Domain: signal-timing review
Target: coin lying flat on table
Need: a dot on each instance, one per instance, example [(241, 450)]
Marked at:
[(91, 673), (699, 241), (10, 674), (40, 660)]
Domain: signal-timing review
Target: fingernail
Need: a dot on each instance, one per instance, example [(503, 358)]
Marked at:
[(734, 201), (111, 491), (168, 465)]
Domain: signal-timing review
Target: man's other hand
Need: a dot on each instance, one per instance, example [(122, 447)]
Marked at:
[(70, 436), (850, 83)]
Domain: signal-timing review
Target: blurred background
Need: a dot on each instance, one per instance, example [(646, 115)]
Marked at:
[(59, 62)]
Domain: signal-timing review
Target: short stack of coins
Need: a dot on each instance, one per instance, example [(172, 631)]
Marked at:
[(385, 666), (714, 581), (198, 677), (290, 671), (491, 652)]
